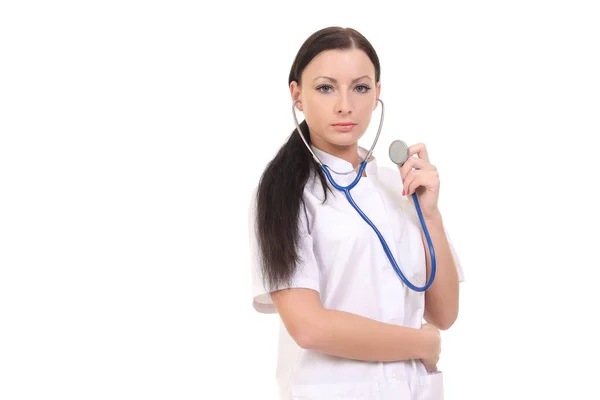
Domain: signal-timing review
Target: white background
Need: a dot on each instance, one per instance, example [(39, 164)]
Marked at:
[(133, 132)]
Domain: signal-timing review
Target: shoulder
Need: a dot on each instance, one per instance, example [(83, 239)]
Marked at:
[(389, 175), (251, 211), (252, 199), (390, 182)]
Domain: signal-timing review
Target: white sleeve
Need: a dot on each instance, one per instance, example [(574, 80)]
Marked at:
[(306, 275)]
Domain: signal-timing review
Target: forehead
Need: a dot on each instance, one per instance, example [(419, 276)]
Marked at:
[(340, 64)]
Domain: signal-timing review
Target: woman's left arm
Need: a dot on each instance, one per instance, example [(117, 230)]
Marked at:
[(421, 177), (441, 299)]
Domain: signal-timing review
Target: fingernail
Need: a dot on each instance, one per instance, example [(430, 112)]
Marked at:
[(403, 193)]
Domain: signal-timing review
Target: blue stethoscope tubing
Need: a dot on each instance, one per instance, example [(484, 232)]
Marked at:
[(346, 191)]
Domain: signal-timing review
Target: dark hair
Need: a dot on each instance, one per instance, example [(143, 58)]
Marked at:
[(281, 186)]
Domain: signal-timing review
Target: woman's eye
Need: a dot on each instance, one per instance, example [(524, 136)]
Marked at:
[(329, 88)]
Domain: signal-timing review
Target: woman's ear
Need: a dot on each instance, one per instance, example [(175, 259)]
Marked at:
[(296, 93), (378, 93)]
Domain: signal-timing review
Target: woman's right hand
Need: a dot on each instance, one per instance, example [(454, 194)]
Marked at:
[(434, 340)]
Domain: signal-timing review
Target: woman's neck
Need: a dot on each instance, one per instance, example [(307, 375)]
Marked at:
[(346, 153)]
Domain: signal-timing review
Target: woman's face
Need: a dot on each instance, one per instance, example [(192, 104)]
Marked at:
[(338, 94)]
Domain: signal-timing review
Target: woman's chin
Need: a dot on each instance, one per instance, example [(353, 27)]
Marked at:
[(343, 139)]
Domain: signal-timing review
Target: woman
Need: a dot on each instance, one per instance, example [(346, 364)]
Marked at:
[(351, 328)]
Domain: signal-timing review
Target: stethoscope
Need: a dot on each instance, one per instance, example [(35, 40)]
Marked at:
[(398, 153)]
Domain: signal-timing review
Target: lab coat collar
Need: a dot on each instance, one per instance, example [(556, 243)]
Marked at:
[(341, 165)]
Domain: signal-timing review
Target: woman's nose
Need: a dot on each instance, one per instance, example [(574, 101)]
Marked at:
[(343, 106)]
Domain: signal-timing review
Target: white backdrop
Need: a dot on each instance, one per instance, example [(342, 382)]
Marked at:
[(133, 132)]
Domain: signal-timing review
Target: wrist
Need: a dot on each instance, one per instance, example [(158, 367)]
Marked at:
[(430, 343), (434, 218)]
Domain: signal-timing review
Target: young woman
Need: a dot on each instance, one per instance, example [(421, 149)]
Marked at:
[(351, 328)]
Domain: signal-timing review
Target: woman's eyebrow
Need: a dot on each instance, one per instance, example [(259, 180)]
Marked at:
[(335, 80)]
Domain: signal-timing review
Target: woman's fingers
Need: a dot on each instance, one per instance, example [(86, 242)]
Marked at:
[(420, 150), (417, 178), (415, 163)]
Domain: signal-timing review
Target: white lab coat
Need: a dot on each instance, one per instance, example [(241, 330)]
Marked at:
[(345, 262)]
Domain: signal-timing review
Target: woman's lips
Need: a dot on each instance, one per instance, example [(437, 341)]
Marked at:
[(344, 126)]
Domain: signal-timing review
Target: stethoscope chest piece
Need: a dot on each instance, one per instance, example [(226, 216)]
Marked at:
[(398, 152)]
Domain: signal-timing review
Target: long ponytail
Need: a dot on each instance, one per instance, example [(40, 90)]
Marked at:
[(279, 202)]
